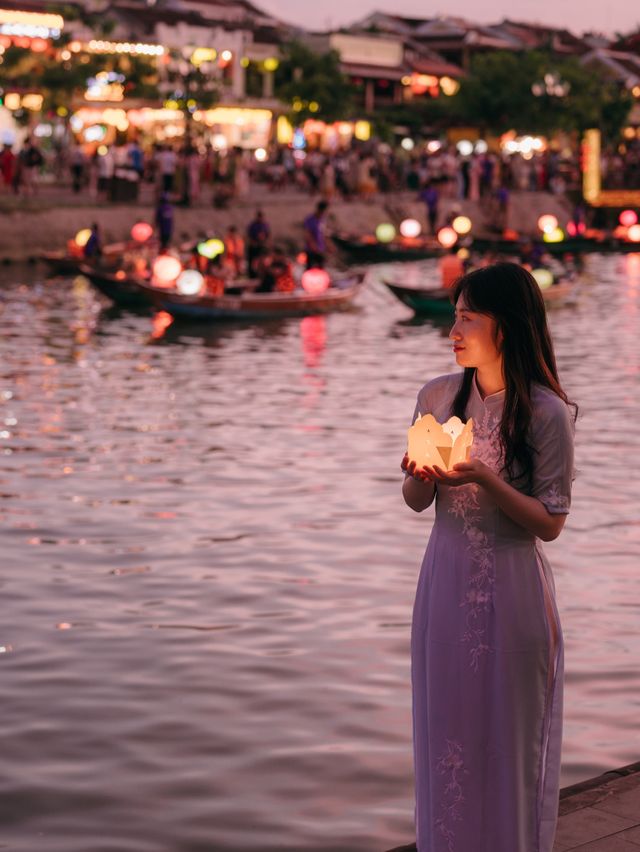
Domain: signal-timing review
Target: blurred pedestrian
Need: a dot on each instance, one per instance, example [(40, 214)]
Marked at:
[(164, 220)]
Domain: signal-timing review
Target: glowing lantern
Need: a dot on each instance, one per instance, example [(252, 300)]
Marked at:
[(210, 248), (410, 228), (461, 224), (315, 281), (547, 223), (301, 258), (260, 154), (166, 269), (634, 233), (189, 282), (555, 236), (544, 278), (82, 237), (447, 237), (572, 229), (442, 444), (628, 218), (620, 233), (464, 254), (141, 232), (385, 233)]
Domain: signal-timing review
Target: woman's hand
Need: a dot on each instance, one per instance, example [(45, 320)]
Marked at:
[(465, 473), (423, 474)]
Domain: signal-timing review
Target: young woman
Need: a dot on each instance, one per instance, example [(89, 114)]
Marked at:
[(486, 642)]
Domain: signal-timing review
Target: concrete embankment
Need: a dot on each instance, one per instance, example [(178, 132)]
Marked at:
[(41, 224)]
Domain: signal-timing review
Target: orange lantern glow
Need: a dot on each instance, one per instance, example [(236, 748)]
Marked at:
[(166, 269), (447, 237), (315, 281), (547, 223), (301, 258), (141, 232), (628, 218), (82, 237), (634, 233)]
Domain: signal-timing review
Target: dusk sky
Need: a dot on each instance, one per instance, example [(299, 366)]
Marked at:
[(607, 16)]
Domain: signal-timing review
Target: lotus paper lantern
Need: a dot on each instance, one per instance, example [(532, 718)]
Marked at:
[(189, 282), (410, 228), (547, 223), (82, 237), (141, 232), (385, 233), (461, 225), (628, 218), (447, 237), (442, 444), (315, 281)]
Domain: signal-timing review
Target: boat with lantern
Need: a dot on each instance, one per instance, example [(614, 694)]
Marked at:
[(437, 301), (368, 249)]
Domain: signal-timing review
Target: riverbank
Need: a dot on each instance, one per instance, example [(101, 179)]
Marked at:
[(44, 223), (601, 814)]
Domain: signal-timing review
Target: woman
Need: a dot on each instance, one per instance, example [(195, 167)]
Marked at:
[(486, 643)]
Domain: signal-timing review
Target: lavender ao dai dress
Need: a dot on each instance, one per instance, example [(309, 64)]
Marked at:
[(487, 648)]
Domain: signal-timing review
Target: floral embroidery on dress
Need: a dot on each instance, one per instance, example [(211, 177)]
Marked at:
[(553, 499), (451, 764), (478, 599)]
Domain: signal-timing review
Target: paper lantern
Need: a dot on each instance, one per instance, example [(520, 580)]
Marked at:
[(410, 228), (315, 281), (210, 248), (385, 233), (189, 282), (447, 237), (544, 278), (82, 237), (301, 258), (463, 253), (555, 236), (141, 232), (461, 224), (442, 444), (166, 269), (572, 229), (547, 223), (634, 233), (628, 218)]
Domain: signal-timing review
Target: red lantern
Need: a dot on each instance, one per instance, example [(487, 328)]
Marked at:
[(141, 232), (628, 218), (315, 281), (572, 229)]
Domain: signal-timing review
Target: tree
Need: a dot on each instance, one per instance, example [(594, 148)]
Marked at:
[(313, 85), (498, 96)]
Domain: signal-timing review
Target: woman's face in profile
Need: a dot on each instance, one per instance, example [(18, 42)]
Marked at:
[(474, 337)]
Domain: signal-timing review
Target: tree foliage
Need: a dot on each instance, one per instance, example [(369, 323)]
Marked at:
[(312, 85), (498, 96)]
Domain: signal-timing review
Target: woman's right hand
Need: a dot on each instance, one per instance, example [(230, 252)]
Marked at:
[(420, 474)]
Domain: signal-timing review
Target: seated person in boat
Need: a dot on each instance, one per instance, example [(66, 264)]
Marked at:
[(451, 268), (233, 251), (93, 246), (258, 238), (276, 274)]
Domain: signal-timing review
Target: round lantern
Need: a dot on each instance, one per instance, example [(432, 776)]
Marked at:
[(544, 278), (634, 233), (315, 281), (447, 237), (461, 225), (410, 228), (210, 248), (166, 269), (555, 236), (463, 253), (572, 229), (141, 232), (82, 237), (385, 233), (260, 154), (628, 218), (301, 258), (547, 223), (189, 282), (408, 144)]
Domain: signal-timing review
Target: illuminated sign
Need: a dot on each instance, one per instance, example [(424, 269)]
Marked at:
[(359, 50), (105, 86)]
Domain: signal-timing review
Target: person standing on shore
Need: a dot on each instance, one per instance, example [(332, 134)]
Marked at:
[(487, 651)]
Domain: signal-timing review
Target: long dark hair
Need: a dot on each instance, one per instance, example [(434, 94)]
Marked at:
[(510, 294)]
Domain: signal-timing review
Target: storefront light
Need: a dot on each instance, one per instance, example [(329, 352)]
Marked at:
[(226, 56), (32, 102), (449, 86), (136, 48), (203, 54), (12, 100), (271, 64), (362, 131)]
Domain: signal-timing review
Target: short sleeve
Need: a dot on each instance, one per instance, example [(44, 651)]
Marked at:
[(553, 469)]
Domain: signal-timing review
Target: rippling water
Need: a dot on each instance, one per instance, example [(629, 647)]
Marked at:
[(208, 570)]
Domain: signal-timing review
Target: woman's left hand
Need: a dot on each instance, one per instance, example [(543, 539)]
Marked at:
[(465, 473)]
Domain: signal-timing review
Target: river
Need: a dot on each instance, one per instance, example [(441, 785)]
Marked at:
[(208, 570)]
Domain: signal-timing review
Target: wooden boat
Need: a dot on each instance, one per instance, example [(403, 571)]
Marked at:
[(60, 262), (239, 302), (604, 243), (436, 301), (367, 249)]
